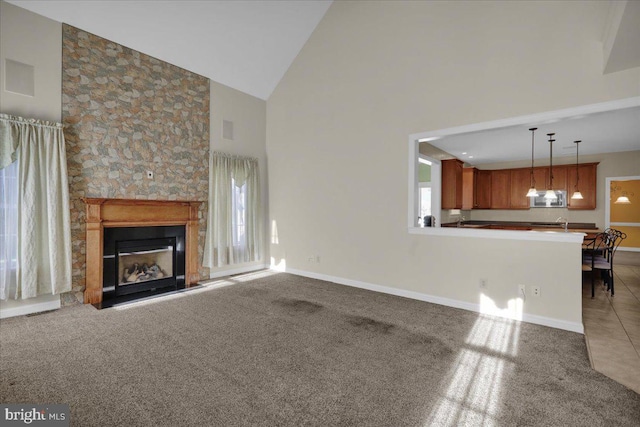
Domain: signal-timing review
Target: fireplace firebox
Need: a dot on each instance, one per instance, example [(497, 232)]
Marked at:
[(142, 260)]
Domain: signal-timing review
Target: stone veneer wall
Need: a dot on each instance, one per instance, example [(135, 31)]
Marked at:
[(126, 113)]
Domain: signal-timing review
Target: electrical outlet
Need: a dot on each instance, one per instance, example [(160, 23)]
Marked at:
[(483, 283), (536, 291), (522, 291)]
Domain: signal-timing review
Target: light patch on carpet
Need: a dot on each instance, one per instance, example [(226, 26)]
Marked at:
[(475, 381)]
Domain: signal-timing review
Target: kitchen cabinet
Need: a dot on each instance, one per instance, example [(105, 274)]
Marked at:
[(483, 189), (520, 184), (476, 189), (560, 177), (452, 184), (541, 177), (469, 184), (587, 186), (472, 188), (501, 189)]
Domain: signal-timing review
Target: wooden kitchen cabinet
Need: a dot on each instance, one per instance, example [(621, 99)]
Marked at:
[(452, 184), (483, 189), (587, 186), (541, 176), (469, 184), (476, 189), (520, 184), (560, 177), (501, 189)]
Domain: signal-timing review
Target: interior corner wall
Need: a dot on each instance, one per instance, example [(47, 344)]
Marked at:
[(34, 40), (249, 115), (126, 113), (373, 73)]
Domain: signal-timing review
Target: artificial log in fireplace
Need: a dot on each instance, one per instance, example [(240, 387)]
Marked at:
[(134, 246)]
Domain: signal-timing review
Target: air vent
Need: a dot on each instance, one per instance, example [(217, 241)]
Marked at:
[(19, 78), (227, 130)]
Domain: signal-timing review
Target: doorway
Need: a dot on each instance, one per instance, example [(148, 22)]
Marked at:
[(622, 210)]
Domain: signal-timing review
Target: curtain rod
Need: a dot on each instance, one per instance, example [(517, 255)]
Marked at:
[(233, 156), (35, 122)]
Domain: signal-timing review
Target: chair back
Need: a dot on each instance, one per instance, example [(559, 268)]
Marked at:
[(617, 237), (604, 246)]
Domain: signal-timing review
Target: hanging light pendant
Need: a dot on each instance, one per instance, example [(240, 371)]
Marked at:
[(550, 194), (622, 200), (576, 194), (532, 190)]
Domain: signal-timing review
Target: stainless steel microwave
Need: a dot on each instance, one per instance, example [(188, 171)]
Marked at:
[(540, 202)]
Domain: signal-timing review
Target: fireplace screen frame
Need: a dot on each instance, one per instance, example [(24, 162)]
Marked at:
[(142, 237)]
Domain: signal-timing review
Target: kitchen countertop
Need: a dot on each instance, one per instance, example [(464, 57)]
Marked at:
[(573, 227)]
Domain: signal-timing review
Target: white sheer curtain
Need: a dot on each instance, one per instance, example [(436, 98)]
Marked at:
[(234, 232), (41, 244)]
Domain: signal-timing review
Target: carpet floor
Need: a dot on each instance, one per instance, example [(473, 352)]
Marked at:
[(279, 349)]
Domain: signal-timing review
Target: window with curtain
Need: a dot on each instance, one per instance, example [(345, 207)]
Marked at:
[(35, 228), (239, 215), (8, 229), (234, 232)]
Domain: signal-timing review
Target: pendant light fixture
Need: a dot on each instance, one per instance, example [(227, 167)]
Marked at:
[(622, 200), (532, 190), (550, 194), (576, 194)]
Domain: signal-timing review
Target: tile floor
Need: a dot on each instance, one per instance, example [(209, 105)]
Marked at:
[(612, 326)]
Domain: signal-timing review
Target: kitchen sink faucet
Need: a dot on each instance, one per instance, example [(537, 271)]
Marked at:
[(565, 221)]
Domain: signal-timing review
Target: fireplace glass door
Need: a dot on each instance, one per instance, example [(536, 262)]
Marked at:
[(144, 264)]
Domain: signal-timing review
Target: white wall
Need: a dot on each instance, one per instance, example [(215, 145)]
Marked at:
[(375, 72), (34, 40), (249, 116)]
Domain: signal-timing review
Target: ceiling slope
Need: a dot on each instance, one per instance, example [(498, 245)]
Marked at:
[(247, 45)]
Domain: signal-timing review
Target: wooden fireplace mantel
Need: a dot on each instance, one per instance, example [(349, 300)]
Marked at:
[(103, 213)]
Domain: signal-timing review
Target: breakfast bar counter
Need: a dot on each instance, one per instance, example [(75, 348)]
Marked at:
[(572, 227)]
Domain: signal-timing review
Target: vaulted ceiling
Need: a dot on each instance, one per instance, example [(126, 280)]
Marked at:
[(247, 45)]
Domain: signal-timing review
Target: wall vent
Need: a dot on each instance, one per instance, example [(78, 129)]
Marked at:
[(227, 130), (19, 78)]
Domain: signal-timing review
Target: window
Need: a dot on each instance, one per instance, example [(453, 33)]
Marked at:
[(234, 222), (8, 227), (239, 215)]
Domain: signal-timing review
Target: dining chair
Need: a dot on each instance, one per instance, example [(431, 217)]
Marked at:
[(598, 255)]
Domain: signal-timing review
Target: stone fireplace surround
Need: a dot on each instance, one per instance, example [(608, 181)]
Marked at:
[(102, 213)]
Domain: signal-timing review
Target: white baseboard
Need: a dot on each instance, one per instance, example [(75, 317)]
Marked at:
[(240, 270), (24, 307), (529, 318)]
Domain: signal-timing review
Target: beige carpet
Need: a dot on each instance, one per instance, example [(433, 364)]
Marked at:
[(286, 350)]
